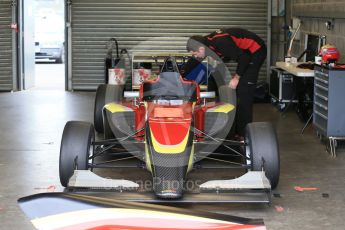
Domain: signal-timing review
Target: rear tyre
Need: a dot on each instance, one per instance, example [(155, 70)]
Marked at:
[(108, 133), (105, 94), (75, 149), (262, 150), (226, 95)]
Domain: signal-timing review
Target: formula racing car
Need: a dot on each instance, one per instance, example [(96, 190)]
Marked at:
[(170, 124)]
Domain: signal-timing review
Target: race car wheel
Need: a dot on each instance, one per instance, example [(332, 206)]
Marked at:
[(227, 95), (262, 150), (75, 148), (105, 94), (108, 134)]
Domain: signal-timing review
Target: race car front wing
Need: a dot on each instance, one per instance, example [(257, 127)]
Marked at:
[(252, 187)]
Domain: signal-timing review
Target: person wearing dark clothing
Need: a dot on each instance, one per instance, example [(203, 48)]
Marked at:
[(248, 50)]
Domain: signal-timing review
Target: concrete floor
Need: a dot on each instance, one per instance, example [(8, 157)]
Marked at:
[(31, 125)]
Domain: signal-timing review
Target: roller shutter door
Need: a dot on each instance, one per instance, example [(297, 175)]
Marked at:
[(6, 76), (131, 22)]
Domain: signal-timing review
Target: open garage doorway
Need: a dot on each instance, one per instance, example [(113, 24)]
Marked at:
[(49, 44)]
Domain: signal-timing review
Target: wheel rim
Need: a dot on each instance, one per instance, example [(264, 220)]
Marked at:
[(248, 154), (91, 152)]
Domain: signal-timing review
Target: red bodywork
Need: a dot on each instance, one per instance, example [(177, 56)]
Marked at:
[(164, 118)]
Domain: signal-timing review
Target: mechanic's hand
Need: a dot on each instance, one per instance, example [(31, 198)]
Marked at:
[(234, 81)]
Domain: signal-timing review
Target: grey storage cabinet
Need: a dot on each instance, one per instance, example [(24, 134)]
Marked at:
[(329, 104)]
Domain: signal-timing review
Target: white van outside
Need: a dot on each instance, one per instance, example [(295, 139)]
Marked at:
[(49, 39)]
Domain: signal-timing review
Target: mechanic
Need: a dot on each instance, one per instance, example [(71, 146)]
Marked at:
[(249, 51)]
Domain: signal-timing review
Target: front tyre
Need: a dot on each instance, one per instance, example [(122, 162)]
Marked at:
[(262, 150), (76, 147)]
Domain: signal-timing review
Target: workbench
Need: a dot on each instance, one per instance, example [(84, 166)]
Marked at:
[(294, 69), (301, 86)]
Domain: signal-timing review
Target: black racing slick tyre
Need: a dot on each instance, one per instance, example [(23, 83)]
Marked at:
[(76, 147), (108, 133), (104, 95), (227, 95), (262, 150)]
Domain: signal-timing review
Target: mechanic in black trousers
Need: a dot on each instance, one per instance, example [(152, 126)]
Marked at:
[(249, 51)]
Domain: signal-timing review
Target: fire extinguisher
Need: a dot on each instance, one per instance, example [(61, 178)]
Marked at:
[(114, 67)]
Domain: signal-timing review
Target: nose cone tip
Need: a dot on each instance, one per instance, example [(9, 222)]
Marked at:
[(169, 195)]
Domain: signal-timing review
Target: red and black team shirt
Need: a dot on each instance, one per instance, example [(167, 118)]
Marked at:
[(235, 44)]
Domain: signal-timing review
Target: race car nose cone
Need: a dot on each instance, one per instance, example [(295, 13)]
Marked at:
[(169, 194)]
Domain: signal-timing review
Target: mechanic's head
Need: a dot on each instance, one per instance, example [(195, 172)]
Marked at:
[(196, 45)]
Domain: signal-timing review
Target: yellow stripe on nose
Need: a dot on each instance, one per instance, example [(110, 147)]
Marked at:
[(170, 149)]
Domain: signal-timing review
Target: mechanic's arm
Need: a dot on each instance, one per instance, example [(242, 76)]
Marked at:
[(242, 65), (230, 50)]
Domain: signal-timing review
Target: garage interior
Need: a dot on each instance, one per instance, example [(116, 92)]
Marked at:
[(33, 119)]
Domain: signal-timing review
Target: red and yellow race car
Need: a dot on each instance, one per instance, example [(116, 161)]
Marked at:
[(170, 125)]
